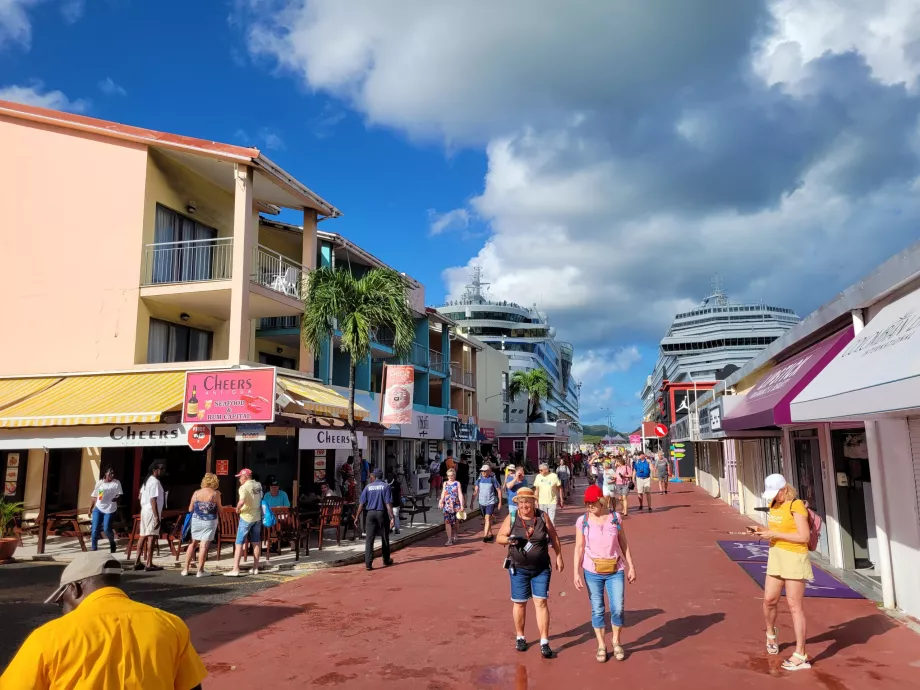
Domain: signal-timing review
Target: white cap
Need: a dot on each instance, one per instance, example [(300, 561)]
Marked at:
[(773, 485)]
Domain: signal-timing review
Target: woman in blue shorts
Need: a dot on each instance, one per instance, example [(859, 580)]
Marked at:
[(528, 537)]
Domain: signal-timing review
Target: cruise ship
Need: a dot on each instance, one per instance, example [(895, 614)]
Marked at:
[(710, 342), (525, 336)]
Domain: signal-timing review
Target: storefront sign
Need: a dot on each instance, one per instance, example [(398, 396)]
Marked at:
[(332, 439), (223, 468), (397, 400), (229, 395), (635, 439), (199, 436), (466, 432), (250, 432), (424, 426), (103, 436), (489, 433)]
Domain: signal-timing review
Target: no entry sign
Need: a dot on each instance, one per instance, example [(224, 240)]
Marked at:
[(661, 430)]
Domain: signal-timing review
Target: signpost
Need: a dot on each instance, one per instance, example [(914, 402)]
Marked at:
[(199, 436)]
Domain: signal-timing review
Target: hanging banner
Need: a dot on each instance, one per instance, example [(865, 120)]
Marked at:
[(229, 395), (397, 400)]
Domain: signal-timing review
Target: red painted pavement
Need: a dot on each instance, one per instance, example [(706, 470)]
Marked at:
[(440, 619)]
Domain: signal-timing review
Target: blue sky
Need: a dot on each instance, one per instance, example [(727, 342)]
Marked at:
[(601, 159)]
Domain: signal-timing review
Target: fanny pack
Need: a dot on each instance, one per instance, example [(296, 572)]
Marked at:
[(602, 566)]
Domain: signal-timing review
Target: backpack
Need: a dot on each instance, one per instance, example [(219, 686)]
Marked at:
[(815, 523)]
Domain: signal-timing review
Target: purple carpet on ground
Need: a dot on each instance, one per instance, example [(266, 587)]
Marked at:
[(823, 587), (746, 551)]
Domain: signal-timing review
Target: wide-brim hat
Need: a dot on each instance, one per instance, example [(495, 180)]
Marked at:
[(524, 493)]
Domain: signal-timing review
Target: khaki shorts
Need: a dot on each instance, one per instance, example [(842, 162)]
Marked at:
[(149, 527), (643, 485), (788, 565)]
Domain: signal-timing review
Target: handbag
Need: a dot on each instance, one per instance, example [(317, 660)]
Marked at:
[(186, 527), (268, 517), (602, 566), (632, 485)]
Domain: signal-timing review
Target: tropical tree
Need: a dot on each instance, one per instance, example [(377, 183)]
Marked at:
[(335, 300), (535, 384)]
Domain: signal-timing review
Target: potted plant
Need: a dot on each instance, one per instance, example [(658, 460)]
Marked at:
[(8, 512)]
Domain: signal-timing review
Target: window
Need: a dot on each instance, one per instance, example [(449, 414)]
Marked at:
[(170, 342), (277, 361), (518, 447), (193, 259)]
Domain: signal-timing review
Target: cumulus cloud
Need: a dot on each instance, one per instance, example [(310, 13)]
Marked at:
[(36, 94), (110, 88), (439, 223), (636, 148), (15, 26)]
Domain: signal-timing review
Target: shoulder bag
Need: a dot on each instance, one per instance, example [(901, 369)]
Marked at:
[(602, 566)]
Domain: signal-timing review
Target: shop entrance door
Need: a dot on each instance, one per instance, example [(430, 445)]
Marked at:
[(806, 458), (731, 474), (64, 480), (851, 467), (751, 477)]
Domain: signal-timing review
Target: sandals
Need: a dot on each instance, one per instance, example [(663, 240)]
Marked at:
[(618, 653), (601, 655), (803, 663), (772, 647)]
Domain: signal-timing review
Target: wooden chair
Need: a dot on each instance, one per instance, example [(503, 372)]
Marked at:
[(226, 531), (330, 517), (284, 530)]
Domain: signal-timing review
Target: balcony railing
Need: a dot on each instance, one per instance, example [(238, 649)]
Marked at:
[(383, 336), (469, 379), (418, 355), (456, 373), (276, 272), (279, 322), (437, 361), (190, 261)]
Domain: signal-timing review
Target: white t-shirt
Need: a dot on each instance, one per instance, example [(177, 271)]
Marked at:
[(152, 489), (105, 494)]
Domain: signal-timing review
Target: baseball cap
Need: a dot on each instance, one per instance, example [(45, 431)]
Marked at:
[(593, 494), (773, 485), (85, 565), (485, 467), (245, 471)]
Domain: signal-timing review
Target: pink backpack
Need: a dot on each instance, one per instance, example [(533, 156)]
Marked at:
[(815, 523)]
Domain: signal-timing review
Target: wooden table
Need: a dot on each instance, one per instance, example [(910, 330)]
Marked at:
[(69, 518), (171, 535)]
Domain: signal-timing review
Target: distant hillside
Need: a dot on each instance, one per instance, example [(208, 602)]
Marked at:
[(599, 430)]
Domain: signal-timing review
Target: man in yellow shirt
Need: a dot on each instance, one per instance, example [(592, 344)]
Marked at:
[(250, 510), (104, 640), (547, 486)]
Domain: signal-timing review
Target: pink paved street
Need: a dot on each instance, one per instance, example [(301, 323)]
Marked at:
[(440, 619)]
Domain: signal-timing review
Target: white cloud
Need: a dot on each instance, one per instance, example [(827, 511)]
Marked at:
[(15, 26), (635, 148), (110, 88), (458, 219), (72, 10), (36, 94), (271, 139), (593, 365)]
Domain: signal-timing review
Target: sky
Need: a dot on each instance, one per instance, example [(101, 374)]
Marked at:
[(599, 159)]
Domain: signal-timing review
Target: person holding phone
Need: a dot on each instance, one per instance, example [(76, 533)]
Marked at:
[(528, 536)]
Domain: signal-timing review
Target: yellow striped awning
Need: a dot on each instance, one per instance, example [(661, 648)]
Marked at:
[(13, 391), (319, 399), (135, 398)]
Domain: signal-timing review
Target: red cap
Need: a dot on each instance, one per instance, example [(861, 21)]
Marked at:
[(245, 471), (593, 494)]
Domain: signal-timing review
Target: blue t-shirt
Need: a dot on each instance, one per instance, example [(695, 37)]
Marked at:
[(365, 470), (643, 469), (512, 491), (488, 490), (279, 501), (376, 495)]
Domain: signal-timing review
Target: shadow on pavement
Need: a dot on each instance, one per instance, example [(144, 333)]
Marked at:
[(232, 622), (441, 556), (585, 632), (674, 631), (855, 632)]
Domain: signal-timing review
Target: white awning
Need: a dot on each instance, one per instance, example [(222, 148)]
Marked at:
[(877, 374)]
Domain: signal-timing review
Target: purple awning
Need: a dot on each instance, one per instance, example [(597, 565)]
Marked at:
[(767, 403)]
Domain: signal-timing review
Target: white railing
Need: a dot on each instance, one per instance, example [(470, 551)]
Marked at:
[(276, 272), (279, 322), (190, 261)]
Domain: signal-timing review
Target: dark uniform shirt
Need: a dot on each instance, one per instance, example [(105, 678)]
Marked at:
[(376, 495)]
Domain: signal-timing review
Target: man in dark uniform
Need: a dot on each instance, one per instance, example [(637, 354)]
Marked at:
[(377, 501)]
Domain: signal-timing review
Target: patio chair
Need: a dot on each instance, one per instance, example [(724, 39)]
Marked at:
[(284, 530), (330, 517), (226, 531)]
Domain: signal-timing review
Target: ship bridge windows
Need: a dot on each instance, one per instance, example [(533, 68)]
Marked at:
[(713, 344)]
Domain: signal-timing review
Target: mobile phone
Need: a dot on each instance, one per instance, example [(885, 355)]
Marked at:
[(506, 564)]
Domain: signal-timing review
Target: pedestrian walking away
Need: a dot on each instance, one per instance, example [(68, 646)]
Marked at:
[(452, 504), (152, 498), (102, 507), (623, 480), (788, 565), (488, 492), (549, 491), (602, 559), (609, 490), (662, 472), (104, 639), (564, 472), (249, 508), (642, 469), (204, 508), (377, 501), (528, 536)]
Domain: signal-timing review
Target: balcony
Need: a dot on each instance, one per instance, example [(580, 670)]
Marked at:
[(437, 362), (458, 377), (382, 340), (469, 379), (276, 272), (280, 323), (191, 261)]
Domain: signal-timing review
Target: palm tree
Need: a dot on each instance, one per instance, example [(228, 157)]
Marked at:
[(356, 307), (535, 384)]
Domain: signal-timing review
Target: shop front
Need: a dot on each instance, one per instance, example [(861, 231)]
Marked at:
[(869, 395), (410, 448)]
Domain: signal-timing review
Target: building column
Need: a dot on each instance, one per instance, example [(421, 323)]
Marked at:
[(445, 356), (244, 235), (308, 260)]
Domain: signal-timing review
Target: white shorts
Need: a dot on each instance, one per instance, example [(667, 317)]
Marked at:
[(149, 526), (643, 485), (608, 490)]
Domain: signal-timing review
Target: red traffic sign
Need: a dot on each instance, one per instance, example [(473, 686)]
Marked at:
[(661, 430), (199, 436)]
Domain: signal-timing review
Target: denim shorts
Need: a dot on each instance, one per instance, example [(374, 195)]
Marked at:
[(527, 584), (253, 530), (489, 510)]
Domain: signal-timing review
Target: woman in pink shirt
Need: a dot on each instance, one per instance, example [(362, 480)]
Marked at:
[(624, 476), (602, 554)]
